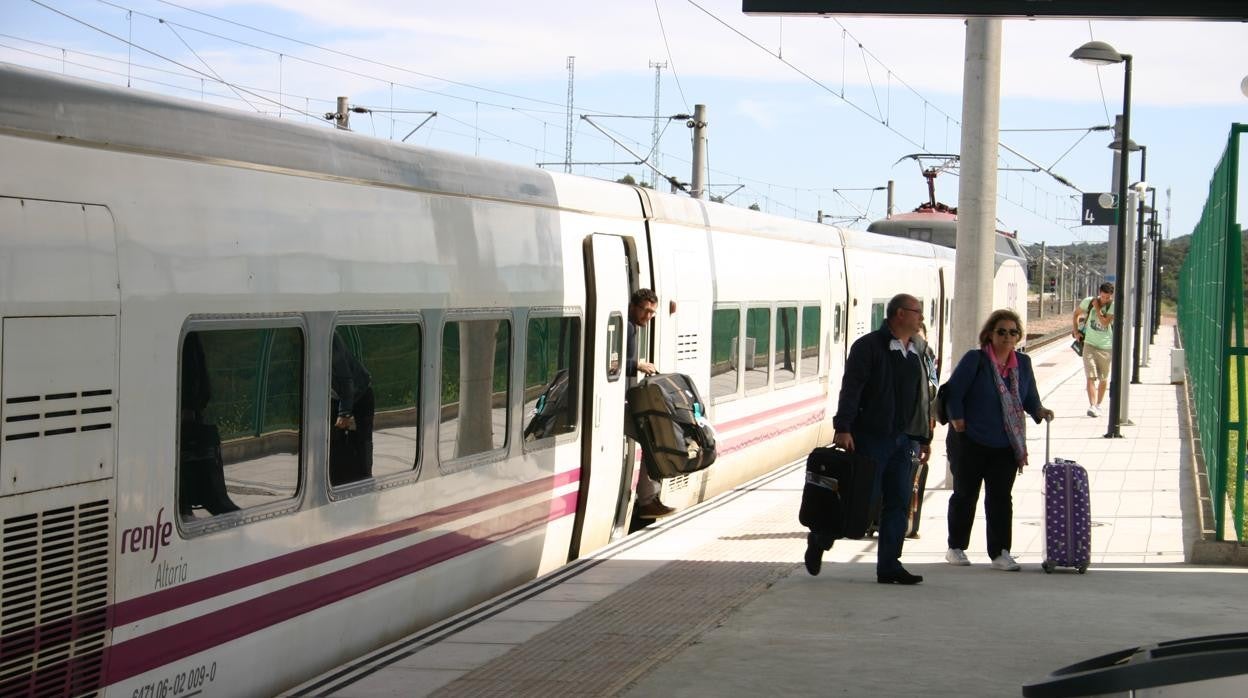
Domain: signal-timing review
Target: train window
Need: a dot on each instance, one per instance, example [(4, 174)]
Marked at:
[(240, 426), (551, 377), (374, 401), (725, 331), (476, 364), (809, 363), (786, 344), (931, 313), (877, 314), (615, 346), (757, 347), (836, 324)]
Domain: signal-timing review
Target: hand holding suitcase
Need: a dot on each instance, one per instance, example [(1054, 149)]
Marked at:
[(837, 496)]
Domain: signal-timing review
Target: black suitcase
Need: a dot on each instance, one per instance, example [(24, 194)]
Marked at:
[(836, 500), (670, 421)]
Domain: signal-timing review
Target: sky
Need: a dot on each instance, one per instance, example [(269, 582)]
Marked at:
[(805, 114)]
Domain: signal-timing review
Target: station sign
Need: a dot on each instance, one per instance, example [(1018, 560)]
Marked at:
[(1099, 208)]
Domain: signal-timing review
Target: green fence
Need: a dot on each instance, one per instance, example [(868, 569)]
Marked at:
[(1211, 320)]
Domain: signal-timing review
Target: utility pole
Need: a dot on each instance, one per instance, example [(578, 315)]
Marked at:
[(697, 183), (567, 151), (1061, 280), (654, 134), (1044, 283), (889, 213), (342, 117)]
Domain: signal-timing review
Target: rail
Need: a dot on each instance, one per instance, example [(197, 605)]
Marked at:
[(1037, 342)]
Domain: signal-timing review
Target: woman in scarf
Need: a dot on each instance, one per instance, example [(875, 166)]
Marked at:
[(987, 396)]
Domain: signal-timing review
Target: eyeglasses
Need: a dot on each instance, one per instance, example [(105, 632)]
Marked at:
[(1001, 332), (918, 311)]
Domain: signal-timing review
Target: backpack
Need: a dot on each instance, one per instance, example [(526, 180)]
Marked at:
[(942, 394), (552, 415)]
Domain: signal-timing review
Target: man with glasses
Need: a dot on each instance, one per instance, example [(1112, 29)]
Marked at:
[(883, 411)]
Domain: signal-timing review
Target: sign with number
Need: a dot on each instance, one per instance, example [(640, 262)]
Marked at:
[(1099, 209)]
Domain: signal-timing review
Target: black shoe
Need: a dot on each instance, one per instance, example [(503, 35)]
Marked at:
[(900, 576), (654, 510), (814, 559)]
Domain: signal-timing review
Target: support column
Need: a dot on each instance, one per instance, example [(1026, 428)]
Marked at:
[(977, 195)]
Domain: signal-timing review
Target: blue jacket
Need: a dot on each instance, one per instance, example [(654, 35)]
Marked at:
[(972, 395)]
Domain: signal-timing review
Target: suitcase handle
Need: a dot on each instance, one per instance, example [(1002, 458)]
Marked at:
[(1047, 430)]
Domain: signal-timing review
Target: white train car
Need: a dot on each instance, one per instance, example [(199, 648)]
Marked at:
[(181, 285), (937, 224)]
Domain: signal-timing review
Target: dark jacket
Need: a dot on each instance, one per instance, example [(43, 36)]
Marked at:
[(867, 401), (972, 395), (349, 379)]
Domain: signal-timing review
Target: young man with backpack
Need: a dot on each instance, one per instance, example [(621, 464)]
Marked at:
[(1093, 325)]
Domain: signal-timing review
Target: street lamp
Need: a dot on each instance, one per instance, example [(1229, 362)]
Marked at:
[(1101, 53)]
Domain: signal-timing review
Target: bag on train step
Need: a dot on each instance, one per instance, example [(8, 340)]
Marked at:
[(837, 497), (670, 421), (551, 415)]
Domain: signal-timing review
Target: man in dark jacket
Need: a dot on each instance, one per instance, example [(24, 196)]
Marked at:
[(884, 412), (351, 391)]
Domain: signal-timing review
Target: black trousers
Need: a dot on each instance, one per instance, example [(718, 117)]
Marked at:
[(351, 451), (973, 465)]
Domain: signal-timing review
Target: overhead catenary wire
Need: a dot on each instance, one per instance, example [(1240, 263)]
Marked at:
[(525, 112)]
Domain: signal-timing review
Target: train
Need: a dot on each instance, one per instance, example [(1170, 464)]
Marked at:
[(936, 222), (180, 284)]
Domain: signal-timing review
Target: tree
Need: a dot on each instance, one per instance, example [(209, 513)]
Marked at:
[(627, 179), (755, 207)]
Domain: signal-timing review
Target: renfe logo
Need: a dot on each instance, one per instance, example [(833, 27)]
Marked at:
[(142, 537)]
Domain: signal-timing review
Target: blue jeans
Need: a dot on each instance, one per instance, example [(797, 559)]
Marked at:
[(894, 484)]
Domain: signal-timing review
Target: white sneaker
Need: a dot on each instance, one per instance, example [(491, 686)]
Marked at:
[(1004, 562), (1094, 411), (956, 556)]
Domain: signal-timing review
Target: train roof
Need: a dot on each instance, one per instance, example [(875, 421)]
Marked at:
[(40, 104)]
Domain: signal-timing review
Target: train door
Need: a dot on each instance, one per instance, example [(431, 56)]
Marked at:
[(940, 321), (59, 387), (607, 272)]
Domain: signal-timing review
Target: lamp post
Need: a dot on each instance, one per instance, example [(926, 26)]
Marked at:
[(1101, 53)]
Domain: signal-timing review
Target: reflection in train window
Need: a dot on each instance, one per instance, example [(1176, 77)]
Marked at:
[(836, 324), (476, 362), (551, 377), (877, 315), (725, 331), (809, 367), (786, 344), (241, 419), (374, 398), (757, 341)]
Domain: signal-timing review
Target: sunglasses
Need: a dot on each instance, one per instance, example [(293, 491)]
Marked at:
[(1001, 332)]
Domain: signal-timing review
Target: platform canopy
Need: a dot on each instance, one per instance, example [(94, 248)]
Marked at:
[(1227, 10)]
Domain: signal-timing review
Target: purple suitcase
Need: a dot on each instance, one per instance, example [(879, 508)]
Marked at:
[(1067, 514)]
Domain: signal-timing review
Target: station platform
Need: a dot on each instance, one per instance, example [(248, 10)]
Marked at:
[(715, 600)]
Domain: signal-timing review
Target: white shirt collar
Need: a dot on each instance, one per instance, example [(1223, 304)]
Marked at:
[(895, 344)]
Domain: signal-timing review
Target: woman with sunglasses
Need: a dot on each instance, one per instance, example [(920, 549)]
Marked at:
[(990, 390)]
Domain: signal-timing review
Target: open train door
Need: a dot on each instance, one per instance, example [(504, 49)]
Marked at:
[(602, 450)]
